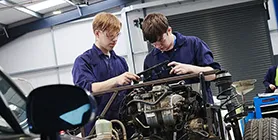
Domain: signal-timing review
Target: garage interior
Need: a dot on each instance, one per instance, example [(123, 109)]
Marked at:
[(40, 39)]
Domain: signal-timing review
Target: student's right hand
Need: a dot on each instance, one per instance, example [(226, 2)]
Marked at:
[(272, 87), (126, 78)]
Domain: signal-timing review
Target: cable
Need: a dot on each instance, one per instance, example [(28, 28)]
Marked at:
[(105, 109), (181, 138), (109, 104), (116, 133), (122, 126), (155, 136)]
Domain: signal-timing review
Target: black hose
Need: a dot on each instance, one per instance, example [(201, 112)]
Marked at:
[(181, 138)]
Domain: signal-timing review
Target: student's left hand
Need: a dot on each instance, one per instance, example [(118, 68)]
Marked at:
[(179, 68)]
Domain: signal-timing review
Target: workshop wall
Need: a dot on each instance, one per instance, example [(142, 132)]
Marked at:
[(266, 54), (139, 48), (31, 51), (273, 28), (46, 56)]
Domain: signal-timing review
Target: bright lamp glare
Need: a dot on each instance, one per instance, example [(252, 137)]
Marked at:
[(45, 4), (57, 12)]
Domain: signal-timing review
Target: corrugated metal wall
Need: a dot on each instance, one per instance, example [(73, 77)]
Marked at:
[(238, 36)]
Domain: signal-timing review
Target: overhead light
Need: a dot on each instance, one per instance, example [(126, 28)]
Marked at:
[(20, 8), (57, 12), (82, 5), (27, 11), (45, 4)]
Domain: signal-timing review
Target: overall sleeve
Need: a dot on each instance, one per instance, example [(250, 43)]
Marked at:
[(269, 77), (204, 56), (83, 75)]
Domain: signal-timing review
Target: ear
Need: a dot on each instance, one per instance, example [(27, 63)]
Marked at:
[(96, 32), (169, 30)]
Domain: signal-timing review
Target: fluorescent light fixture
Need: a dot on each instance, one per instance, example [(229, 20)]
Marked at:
[(82, 5), (68, 1), (20, 8), (27, 11), (57, 12), (45, 4)]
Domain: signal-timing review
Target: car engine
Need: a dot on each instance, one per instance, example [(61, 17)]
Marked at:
[(168, 111)]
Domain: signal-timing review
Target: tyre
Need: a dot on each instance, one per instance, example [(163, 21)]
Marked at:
[(261, 129)]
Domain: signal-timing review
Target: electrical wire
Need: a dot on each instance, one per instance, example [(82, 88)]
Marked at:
[(122, 126), (116, 133), (105, 109)]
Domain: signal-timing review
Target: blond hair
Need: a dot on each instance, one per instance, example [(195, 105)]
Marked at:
[(107, 22)]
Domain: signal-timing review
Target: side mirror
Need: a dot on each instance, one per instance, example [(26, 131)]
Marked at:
[(53, 108)]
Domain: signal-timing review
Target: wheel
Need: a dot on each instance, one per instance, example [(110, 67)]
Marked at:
[(261, 129)]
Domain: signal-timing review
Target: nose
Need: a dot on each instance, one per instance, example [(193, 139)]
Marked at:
[(115, 38), (159, 46)]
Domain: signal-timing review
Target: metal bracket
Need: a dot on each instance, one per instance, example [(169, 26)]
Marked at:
[(79, 10), (267, 10), (5, 31)]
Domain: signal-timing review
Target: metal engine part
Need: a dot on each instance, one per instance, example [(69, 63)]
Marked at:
[(165, 112), (165, 107), (196, 124), (160, 108)]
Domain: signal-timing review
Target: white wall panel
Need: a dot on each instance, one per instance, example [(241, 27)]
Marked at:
[(272, 23), (274, 41), (31, 51), (138, 43), (65, 75), (72, 40), (139, 61), (42, 78)]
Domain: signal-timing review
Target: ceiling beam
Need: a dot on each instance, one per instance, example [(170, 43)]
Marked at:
[(2, 25), (3, 28), (71, 3), (20, 8), (275, 2), (60, 19)]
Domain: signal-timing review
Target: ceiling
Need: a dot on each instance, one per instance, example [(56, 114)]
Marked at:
[(18, 17), (10, 15), (11, 10)]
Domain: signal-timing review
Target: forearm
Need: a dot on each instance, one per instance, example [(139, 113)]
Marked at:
[(198, 69), (105, 85), (266, 83)]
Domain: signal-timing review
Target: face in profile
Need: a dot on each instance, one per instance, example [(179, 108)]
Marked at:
[(165, 42), (107, 40)]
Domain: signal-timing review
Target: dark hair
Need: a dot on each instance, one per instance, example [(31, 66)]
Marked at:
[(154, 26)]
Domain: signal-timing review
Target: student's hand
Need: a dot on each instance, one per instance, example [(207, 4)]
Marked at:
[(126, 78), (272, 87), (179, 68)]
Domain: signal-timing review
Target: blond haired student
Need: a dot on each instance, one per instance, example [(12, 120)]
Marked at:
[(100, 68)]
